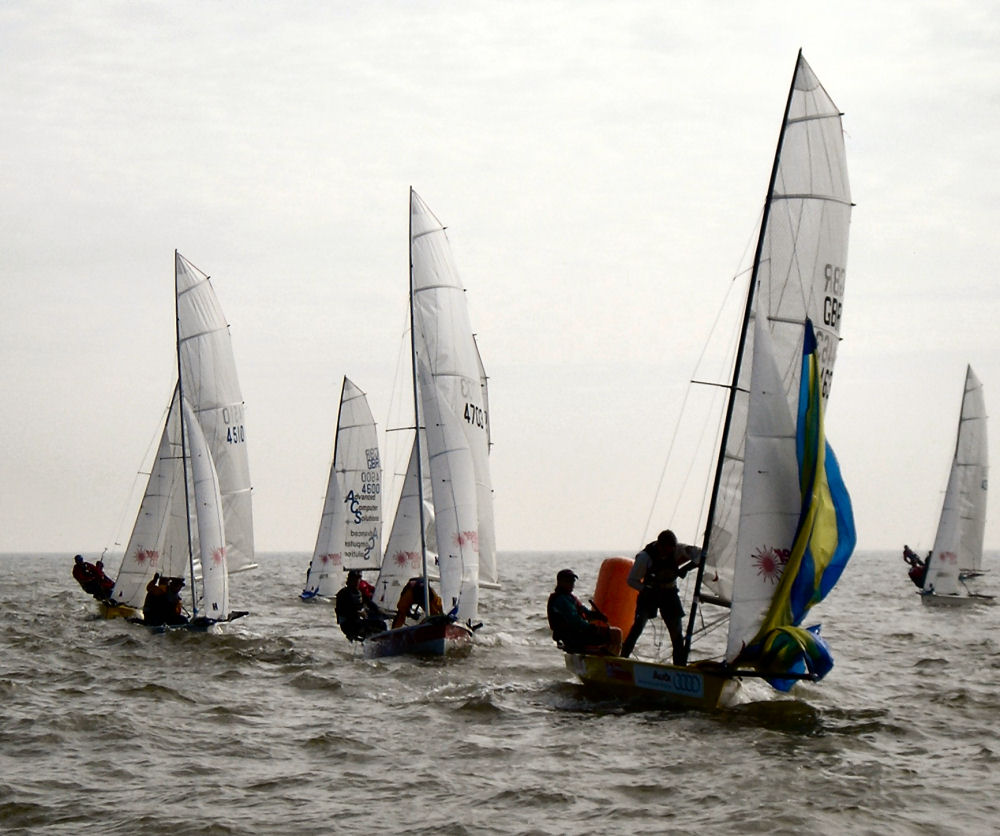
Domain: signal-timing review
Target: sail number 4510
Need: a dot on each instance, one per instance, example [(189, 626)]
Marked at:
[(235, 435)]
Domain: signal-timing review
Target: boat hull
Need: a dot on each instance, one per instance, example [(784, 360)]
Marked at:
[(933, 599), (688, 686), (434, 637), (110, 610)]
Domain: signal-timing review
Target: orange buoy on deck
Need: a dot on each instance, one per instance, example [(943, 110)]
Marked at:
[(613, 596)]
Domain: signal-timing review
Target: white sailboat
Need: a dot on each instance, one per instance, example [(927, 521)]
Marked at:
[(957, 555), (780, 527), (195, 520), (350, 529), (452, 439)]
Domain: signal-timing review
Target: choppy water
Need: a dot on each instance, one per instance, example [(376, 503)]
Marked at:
[(278, 726)]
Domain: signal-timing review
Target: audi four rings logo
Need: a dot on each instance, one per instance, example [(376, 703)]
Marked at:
[(679, 682)]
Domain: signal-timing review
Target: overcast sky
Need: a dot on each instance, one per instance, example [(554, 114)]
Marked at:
[(601, 168)]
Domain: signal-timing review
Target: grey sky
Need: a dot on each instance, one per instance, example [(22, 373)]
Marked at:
[(600, 167)]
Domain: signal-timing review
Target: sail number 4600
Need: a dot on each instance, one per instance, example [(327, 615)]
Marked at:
[(475, 415)]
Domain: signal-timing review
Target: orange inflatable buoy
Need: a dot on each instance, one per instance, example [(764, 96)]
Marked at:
[(613, 596)]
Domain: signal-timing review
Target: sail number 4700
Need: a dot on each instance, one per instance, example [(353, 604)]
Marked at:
[(475, 415)]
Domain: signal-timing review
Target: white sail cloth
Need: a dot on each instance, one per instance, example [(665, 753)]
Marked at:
[(800, 274), (350, 530), (958, 543)]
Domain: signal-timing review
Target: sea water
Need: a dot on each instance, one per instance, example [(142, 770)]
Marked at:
[(277, 725)]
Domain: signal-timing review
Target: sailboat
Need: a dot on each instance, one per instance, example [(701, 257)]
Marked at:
[(957, 555), (195, 521), (350, 529), (779, 527), (450, 452)]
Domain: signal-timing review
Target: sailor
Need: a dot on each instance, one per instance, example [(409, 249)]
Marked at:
[(575, 628), (86, 575), (155, 607), (356, 614), (104, 583), (412, 598), (173, 609), (918, 568), (654, 573)]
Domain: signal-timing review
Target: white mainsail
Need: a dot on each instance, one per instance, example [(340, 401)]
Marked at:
[(452, 413), (454, 416), (799, 273), (958, 543), (350, 530), (208, 382)]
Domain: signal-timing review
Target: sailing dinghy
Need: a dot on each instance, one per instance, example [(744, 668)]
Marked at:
[(350, 529), (195, 520), (779, 528), (957, 556), (450, 452)]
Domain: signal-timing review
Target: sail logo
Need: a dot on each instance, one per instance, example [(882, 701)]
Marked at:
[(330, 558), (219, 556), (682, 683), (467, 538), (770, 562), (406, 558), (354, 504), (144, 555)]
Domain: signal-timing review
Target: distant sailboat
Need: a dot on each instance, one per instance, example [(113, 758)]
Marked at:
[(451, 446), (958, 545), (780, 528), (195, 520), (350, 530)]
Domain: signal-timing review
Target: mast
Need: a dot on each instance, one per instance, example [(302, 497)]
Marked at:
[(180, 415), (416, 420), (748, 308)]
